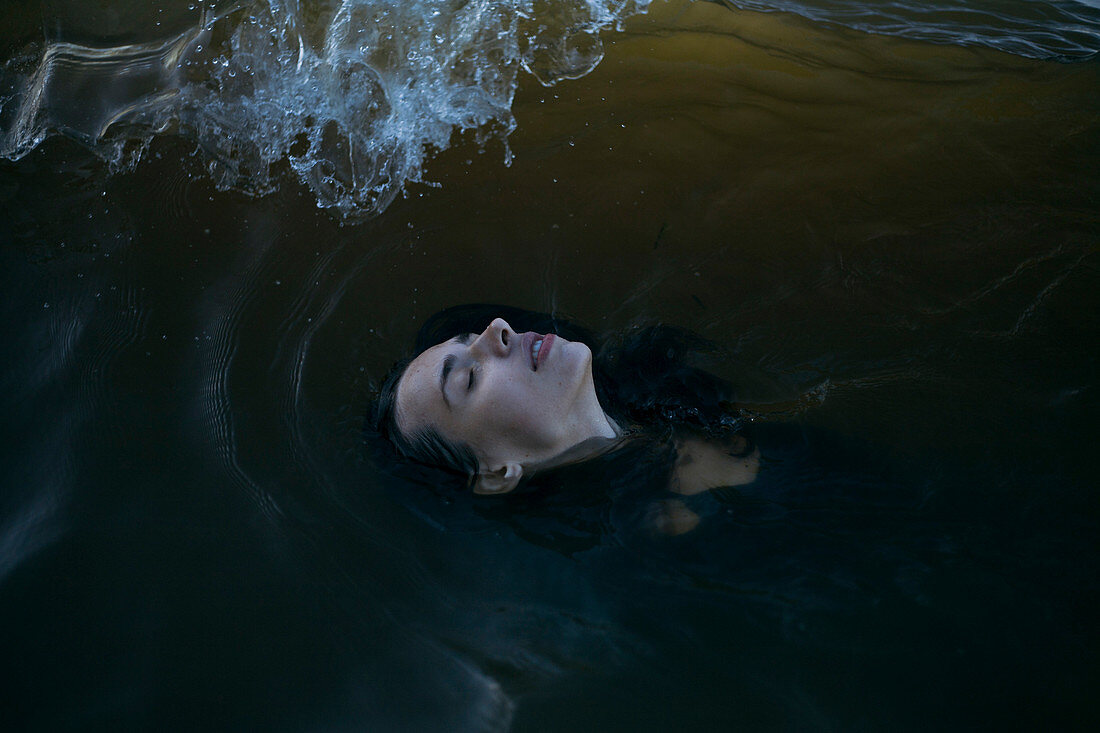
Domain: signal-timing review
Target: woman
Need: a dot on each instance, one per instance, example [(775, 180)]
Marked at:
[(504, 396)]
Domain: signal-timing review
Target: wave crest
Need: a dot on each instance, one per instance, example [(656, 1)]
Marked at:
[(352, 95)]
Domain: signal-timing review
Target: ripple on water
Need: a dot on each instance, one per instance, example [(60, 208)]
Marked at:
[(350, 104), (31, 528), (332, 94), (221, 310)]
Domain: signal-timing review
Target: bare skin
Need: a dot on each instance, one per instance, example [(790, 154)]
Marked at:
[(525, 402), (702, 465), (521, 401)]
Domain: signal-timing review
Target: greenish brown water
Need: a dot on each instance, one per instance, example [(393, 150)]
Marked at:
[(897, 242)]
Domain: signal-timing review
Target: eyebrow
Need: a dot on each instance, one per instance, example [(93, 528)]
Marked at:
[(448, 365)]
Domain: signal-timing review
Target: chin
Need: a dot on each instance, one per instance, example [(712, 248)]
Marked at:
[(578, 354), (581, 358)]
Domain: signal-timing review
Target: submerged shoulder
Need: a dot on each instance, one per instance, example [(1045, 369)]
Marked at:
[(704, 463)]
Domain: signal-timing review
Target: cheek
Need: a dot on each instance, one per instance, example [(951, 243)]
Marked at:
[(520, 424), (518, 420)]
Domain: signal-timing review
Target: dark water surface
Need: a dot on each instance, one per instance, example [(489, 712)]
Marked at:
[(896, 240)]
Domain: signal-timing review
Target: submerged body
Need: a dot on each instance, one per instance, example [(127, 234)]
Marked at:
[(520, 401), (521, 404)]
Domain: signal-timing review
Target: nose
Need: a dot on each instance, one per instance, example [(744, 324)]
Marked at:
[(495, 339)]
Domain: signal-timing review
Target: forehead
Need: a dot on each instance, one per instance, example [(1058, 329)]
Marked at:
[(419, 401)]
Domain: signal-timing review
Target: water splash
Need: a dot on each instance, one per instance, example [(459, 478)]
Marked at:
[(352, 95)]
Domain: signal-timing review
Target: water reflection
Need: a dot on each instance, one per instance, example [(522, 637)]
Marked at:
[(328, 92), (895, 240)]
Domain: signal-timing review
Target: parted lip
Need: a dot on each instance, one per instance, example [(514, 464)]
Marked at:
[(544, 350), (528, 343)]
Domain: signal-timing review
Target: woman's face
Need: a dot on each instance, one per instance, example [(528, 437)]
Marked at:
[(514, 398)]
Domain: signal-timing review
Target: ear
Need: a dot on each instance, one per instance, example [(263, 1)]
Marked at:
[(499, 481)]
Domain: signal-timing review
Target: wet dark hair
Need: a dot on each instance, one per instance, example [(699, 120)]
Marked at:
[(648, 377), (426, 445)]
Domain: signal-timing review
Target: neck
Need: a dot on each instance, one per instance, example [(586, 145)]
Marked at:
[(582, 451)]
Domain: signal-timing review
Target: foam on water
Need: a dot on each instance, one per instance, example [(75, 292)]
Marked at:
[(352, 96)]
